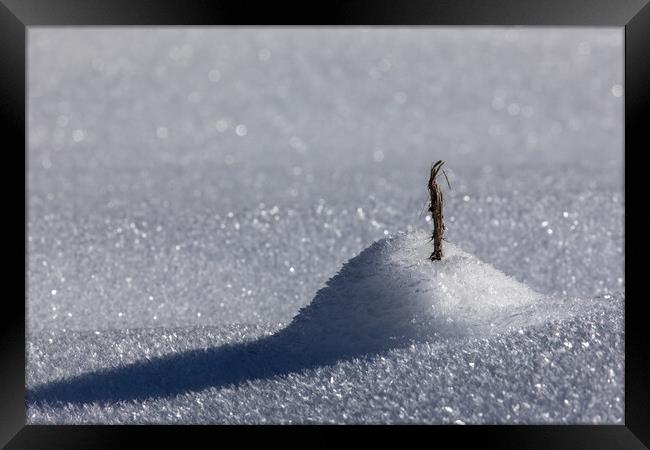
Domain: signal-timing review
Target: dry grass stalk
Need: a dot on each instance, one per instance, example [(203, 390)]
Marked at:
[(435, 207)]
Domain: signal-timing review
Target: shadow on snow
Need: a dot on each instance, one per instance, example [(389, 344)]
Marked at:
[(323, 333)]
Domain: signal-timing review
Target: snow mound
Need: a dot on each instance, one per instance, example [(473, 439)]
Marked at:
[(391, 292)]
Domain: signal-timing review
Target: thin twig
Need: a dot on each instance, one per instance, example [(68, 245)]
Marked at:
[(435, 207)]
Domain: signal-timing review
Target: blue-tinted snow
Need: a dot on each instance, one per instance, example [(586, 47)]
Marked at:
[(190, 190)]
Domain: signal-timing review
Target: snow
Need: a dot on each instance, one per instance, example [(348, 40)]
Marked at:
[(392, 293), (228, 226), (527, 377)]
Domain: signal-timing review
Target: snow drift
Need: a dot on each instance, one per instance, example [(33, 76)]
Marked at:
[(391, 293)]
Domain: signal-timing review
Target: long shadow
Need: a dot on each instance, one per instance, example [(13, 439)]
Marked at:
[(333, 327), (179, 373)]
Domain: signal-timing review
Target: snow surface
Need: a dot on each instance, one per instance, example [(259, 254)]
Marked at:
[(206, 206)]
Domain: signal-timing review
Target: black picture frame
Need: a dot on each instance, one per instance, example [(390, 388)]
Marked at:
[(17, 15)]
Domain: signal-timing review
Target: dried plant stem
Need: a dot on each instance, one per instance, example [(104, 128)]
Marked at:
[(435, 207)]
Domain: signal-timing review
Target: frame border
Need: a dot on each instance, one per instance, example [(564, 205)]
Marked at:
[(17, 15)]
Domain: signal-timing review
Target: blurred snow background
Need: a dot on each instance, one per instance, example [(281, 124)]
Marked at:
[(189, 187)]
